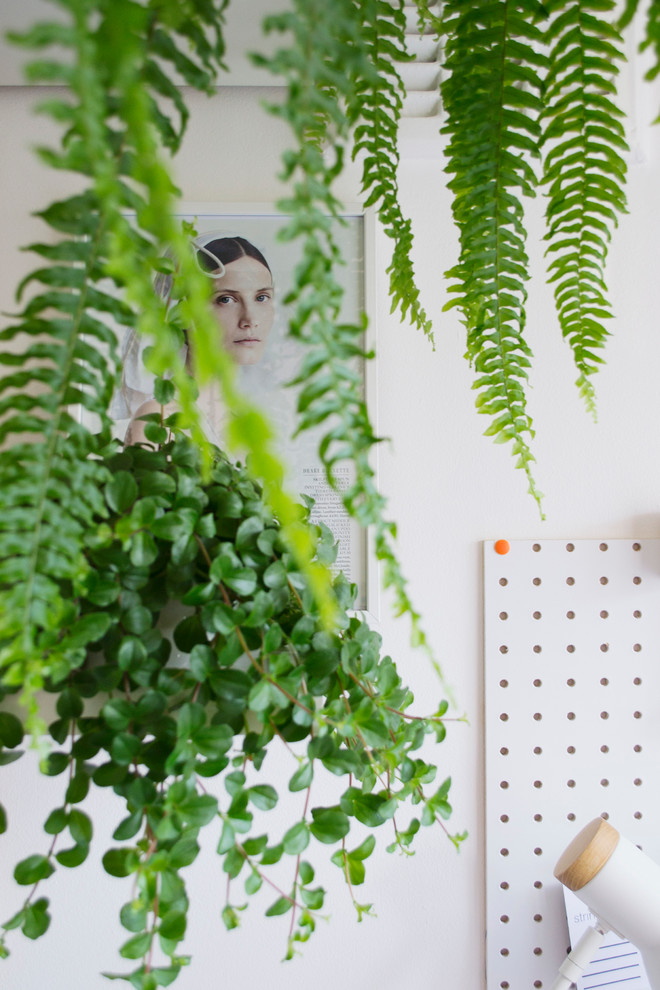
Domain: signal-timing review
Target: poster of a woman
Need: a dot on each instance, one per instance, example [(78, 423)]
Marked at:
[(251, 272)]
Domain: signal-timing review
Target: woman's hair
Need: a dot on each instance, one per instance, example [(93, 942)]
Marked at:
[(221, 251)]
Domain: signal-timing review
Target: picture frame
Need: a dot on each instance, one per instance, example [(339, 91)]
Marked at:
[(265, 382)]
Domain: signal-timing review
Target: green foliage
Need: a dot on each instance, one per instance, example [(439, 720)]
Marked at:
[(492, 101), (523, 78), (263, 674), (333, 68), (115, 122), (374, 113), (584, 172)]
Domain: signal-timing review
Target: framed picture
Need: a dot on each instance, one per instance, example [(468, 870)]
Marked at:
[(265, 374)]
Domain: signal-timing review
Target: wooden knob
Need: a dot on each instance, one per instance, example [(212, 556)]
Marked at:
[(587, 854)]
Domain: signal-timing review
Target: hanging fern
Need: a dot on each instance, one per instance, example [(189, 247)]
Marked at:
[(375, 114), (325, 67), (491, 98), (584, 172), (115, 119), (651, 33)]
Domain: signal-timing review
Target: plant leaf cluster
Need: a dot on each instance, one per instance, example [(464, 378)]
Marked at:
[(584, 173), (526, 81), (492, 100), (261, 673), (120, 109), (342, 86)]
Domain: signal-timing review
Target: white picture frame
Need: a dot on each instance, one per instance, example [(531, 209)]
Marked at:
[(265, 383)]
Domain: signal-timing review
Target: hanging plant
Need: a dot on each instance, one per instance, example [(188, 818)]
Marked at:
[(100, 546), (187, 745)]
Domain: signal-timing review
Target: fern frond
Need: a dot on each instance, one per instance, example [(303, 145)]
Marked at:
[(326, 67), (50, 486), (652, 38), (375, 116), (584, 172), (492, 102)]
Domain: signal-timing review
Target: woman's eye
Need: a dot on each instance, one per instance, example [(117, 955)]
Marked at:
[(222, 300)]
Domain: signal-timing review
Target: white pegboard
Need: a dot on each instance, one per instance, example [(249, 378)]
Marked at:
[(572, 689)]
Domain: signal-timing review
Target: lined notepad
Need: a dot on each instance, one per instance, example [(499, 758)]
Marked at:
[(617, 962)]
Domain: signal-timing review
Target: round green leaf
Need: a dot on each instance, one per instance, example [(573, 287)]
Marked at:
[(33, 869), (173, 926), (329, 824), (296, 839), (11, 730), (121, 492)]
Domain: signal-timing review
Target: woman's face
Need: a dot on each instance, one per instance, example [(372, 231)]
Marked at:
[(243, 304)]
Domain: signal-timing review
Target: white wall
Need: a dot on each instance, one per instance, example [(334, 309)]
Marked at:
[(449, 489)]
